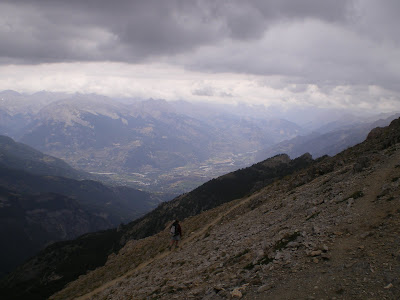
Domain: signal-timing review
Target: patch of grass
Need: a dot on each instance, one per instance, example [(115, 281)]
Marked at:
[(340, 291), (181, 263), (250, 266), (164, 282), (265, 260), (157, 291), (356, 195)]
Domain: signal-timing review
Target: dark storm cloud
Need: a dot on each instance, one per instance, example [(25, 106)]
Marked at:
[(51, 31), (311, 41)]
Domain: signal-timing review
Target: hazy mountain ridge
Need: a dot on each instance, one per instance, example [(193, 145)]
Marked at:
[(153, 143), (327, 142), (17, 110)]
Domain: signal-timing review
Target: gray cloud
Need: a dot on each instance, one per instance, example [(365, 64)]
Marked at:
[(327, 43), (50, 31)]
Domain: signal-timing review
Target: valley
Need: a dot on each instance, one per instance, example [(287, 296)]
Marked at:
[(181, 179), (171, 147)]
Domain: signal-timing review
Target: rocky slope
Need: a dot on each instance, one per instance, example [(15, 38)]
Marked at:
[(330, 231)]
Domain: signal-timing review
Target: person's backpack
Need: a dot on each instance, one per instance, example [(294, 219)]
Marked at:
[(173, 230)]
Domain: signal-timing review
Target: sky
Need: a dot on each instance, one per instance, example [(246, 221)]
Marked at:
[(342, 53)]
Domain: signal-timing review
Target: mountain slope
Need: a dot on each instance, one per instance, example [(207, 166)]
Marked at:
[(255, 231), (39, 206), (18, 110), (114, 204), (37, 210), (327, 142), (216, 192), (23, 157), (66, 259), (158, 139), (29, 171), (329, 231), (30, 222)]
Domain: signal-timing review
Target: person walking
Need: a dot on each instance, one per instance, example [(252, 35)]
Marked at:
[(176, 234)]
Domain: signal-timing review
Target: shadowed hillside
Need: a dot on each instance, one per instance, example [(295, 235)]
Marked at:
[(44, 200), (23, 157)]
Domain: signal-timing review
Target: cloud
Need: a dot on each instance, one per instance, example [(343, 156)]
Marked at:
[(227, 50), (132, 31), (308, 52)]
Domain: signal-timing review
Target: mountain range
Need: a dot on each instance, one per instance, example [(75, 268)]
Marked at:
[(43, 200), (257, 233), (326, 141), (170, 147)]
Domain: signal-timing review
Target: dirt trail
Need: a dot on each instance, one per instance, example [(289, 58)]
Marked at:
[(341, 275), (166, 253), (372, 214)]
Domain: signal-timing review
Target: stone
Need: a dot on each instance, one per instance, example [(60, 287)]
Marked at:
[(389, 286), (315, 253), (279, 255), (264, 288), (236, 293), (325, 256), (350, 202)]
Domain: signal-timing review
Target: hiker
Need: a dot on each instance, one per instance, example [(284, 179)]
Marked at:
[(176, 234)]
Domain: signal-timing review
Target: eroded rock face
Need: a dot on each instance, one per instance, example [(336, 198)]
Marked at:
[(333, 236)]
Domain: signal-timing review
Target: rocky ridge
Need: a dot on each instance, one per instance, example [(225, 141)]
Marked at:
[(330, 231)]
